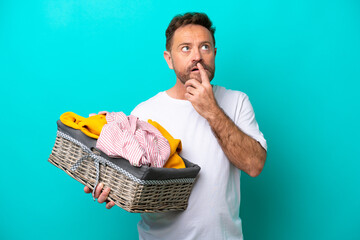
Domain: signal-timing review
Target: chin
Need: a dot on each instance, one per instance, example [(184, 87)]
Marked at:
[(195, 76)]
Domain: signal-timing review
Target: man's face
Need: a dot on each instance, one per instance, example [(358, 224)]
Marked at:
[(191, 44)]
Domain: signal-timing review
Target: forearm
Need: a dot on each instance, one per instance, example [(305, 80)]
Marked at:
[(242, 151)]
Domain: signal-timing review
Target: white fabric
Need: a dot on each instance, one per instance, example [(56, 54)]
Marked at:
[(213, 209)]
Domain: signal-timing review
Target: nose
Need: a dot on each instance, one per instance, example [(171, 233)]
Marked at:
[(196, 56)]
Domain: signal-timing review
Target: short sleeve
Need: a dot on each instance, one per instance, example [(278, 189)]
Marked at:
[(245, 120)]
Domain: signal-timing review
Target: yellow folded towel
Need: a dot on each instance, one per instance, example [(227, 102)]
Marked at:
[(91, 126), (174, 161)]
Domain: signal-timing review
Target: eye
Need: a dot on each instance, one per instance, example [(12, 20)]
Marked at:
[(205, 47), (185, 48)]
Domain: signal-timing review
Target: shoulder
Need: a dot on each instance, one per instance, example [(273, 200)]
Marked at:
[(226, 96), (149, 101), (148, 105), (222, 92)]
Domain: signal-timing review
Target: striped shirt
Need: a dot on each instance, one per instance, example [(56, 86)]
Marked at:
[(135, 140)]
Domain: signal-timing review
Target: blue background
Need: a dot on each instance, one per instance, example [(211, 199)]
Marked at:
[(299, 61)]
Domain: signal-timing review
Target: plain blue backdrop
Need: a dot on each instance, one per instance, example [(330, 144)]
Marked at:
[(297, 60)]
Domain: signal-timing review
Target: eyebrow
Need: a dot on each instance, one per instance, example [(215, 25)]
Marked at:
[(206, 42), (187, 43)]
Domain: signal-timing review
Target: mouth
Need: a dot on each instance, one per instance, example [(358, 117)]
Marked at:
[(194, 69)]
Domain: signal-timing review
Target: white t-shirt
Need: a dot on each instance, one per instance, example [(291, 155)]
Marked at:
[(214, 203)]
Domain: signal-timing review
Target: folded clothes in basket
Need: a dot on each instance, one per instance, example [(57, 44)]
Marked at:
[(137, 141), (91, 126), (174, 161), (142, 143), (135, 189)]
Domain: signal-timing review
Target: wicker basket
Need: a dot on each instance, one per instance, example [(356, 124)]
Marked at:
[(135, 189)]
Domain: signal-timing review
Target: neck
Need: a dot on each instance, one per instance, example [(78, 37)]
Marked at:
[(177, 91)]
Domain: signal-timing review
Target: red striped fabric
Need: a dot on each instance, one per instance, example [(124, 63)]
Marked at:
[(135, 140)]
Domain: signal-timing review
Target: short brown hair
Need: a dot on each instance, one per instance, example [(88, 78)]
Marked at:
[(184, 19)]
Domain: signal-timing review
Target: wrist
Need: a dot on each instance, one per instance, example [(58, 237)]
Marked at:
[(215, 115)]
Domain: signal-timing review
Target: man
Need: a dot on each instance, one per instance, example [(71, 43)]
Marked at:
[(218, 131)]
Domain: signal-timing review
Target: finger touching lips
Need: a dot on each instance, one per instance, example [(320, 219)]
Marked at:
[(200, 66), (202, 72)]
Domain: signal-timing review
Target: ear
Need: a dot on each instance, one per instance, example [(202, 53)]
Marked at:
[(215, 50), (168, 60)]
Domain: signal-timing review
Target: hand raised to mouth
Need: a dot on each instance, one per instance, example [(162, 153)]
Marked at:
[(201, 95)]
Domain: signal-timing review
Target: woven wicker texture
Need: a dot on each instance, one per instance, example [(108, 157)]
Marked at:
[(126, 193)]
